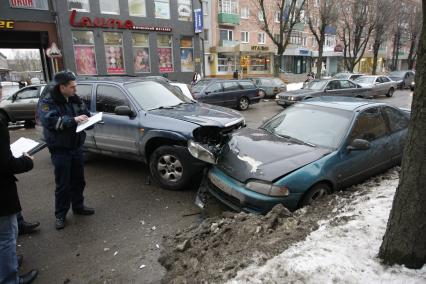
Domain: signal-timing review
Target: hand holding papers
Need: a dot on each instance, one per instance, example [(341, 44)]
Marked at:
[(25, 145), (92, 120)]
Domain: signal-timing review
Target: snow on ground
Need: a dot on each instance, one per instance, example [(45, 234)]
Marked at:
[(341, 253), (294, 86)]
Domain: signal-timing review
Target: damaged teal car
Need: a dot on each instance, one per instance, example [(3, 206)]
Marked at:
[(306, 151)]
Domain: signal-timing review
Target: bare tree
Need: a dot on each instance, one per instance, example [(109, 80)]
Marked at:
[(399, 30), (288, 14), (319, 18), (413, 33), (356, 28), (404, 240)]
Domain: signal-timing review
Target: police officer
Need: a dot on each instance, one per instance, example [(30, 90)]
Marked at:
[(61, 110)]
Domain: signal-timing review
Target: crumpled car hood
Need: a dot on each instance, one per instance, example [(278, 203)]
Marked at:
[(257, 154)]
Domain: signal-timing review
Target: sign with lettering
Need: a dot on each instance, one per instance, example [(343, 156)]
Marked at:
[(198, 21), (21, 3), (6, 24), (53, 51), (259, 48)]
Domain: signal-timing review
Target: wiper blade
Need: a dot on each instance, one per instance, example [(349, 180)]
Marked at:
[(295, 140), (162, 107)]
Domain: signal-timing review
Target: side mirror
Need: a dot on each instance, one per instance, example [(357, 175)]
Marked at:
[(359, 144), (207, 92), (14, 97), (124, 110)]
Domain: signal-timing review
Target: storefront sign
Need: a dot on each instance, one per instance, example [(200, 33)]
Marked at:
[(53, 51), (198, 21), (259, 48), (111, 23), (21, 3), (6, 24), (304, 51)]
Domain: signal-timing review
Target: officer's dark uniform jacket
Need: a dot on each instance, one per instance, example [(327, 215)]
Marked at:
[(9, 166), (57, 116)]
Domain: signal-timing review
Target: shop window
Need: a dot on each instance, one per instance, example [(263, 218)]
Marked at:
[(114, 52), (162, 9), (30, 4), (141, 59), (165, 54), (184, 10), (259, 63), (244, 37), (84, 52), (261, 38), (228, 6), (245, 12), (79, 5), (109, 6), (137, 8), (226, 63), (226, 35), (186, 54)]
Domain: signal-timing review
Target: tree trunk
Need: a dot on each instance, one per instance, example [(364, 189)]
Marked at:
[(319, 60), (376, 47), (405, 239), (411, 53), (277, 62)]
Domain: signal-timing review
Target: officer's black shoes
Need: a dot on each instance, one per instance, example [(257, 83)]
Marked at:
[(60, 223), (84, 211), (26, 227), (29, 277), (20, 259)]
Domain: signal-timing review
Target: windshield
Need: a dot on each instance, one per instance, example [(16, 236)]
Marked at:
[(199, 86), (365, 80), (342, 76), (278, 81), (397, 74), (153, 95), (321, 126), (316, 85)]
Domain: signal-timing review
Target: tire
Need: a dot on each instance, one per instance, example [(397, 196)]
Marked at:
[(169, 167), (3, 116), (314, 193), (390, 93), (243, 103), (29, 124), (262, 92)]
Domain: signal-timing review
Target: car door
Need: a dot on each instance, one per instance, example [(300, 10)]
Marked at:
[(23, 103), (348, 89), (212, 94), (232, 92), (398, 127), (116, 133), (333, 88), (84, 91), (268, 86), (356, 165)]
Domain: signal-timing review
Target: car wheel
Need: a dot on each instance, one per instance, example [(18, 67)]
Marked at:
[(262, 94), (29, 124), (3, 116), (314, 193), (390, 93), (169, 167), (243, 103)]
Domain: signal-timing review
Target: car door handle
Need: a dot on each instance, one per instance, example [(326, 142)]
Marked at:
[(101, 122)]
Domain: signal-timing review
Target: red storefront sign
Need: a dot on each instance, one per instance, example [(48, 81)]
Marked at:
[(21, 3), (111, 23)]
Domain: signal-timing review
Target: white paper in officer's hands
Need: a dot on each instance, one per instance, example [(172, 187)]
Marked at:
[(22, 145), (92, 120)]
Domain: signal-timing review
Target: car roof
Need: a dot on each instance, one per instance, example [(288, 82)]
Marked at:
[(119, 79), (344, 103)]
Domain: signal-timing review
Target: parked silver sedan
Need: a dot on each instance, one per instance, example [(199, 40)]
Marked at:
[(380, 85)]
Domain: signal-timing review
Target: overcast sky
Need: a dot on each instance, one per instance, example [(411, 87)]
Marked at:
[(10, 53)]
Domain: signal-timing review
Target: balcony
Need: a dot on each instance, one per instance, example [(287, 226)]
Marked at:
[(228, 43), (228, 19)]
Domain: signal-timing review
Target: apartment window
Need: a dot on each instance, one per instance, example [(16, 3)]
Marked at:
[(244, 37), (109, 6), (260, 16), (305, 41), (277, 17), (226, 35), (84, 52), (277, 37), (137, 8), (186, 54), (30, 4), (184, 10), (205, 8), (228, 6), (206, 34), (141, 59), (114, 52), (261, 38), (165, 54), (331, 41), (296, 38), (162, 9), (245, 12), (79, 5)]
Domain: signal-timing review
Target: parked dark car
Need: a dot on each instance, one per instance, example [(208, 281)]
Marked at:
[(269, 86), (402, 78), (317, 88), (310, 149), (21, 106), (230, 93), (150, 121), (347, 75)]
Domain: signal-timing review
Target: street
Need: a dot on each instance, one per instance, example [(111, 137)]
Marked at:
[(122, 241)]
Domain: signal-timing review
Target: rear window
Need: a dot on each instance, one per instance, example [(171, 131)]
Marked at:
[(230, 86), (247, 85), (85, 94)]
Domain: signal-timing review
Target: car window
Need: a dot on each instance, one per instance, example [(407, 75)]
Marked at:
[(378, 80), (230, 86), (266, 82), (345, 84), (369, 125), (355, 76), (110, 97), (29, 93), (85, 94), (214, 88), (396, 119), (385, 79), (247, 85), (333, 85)]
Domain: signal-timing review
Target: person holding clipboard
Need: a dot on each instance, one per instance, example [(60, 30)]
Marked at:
[(61, 111)]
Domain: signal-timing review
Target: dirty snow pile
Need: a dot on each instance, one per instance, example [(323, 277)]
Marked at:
[(344, 249)]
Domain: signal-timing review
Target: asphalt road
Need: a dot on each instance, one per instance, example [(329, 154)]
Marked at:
[(122, 241)]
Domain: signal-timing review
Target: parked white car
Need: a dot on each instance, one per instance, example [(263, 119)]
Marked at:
[(380, 85)]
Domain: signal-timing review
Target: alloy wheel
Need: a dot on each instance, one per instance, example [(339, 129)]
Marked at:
[(170, 168)]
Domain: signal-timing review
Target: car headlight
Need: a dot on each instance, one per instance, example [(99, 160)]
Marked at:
[(277, 97), (200, 152), (267, 188)]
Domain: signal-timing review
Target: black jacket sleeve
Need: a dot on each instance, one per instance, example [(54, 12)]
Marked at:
[(10, 165)]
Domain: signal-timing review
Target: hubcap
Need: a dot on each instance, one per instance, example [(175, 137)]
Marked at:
[(170, 168), (244, 103)]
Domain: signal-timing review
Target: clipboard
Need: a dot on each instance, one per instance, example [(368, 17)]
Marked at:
[(37, 149), (26, 145)]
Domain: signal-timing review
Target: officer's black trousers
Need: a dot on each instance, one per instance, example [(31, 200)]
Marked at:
[(70, 183)]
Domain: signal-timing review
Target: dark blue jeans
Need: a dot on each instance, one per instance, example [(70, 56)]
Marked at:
[(70, 183), (8, 258)]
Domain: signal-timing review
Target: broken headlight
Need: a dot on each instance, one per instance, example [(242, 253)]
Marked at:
[(267, 188), (200, 152)]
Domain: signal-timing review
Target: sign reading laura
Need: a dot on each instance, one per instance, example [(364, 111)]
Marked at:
[(6, 24), (111, 23), (259, 48)]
